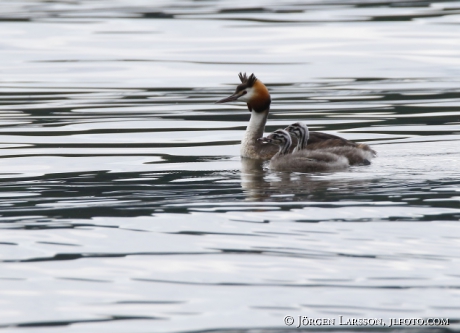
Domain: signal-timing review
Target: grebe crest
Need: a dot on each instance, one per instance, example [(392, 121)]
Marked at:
[(252, 91)]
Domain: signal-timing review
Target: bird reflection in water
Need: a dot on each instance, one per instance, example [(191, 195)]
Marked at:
[(260, 184)]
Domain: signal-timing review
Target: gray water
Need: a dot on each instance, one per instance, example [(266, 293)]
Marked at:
[(124, 204)]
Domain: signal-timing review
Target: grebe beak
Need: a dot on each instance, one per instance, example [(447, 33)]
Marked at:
[(267, 140), (231, 98)]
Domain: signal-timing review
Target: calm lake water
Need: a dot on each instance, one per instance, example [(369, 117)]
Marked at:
[(124, 204)]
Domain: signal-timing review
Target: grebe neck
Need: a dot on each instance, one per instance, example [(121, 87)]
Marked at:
[(256, 124), (250, 147), (286, 148), (303, 138)]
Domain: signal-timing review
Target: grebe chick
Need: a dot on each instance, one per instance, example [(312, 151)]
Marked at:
[(354, 152), (256, 95), (303, 160)]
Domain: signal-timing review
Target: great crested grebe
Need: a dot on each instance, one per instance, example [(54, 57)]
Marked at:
[(354, 152), (256, 95), (301, 160)]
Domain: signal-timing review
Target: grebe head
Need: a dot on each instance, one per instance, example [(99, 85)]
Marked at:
[(253, 92), (300, 131), (280, 138)]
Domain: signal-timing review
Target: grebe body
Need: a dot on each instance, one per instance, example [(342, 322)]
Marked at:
[(301, 160), (355, 153), (256, 95)]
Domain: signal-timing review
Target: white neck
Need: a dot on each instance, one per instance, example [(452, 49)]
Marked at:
[(256, 125), (254, 131)]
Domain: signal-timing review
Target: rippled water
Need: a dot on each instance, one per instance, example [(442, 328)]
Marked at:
[(124, 204)]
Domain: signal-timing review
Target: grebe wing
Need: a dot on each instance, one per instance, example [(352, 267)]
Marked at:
[(328, 139), (320, 140)]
